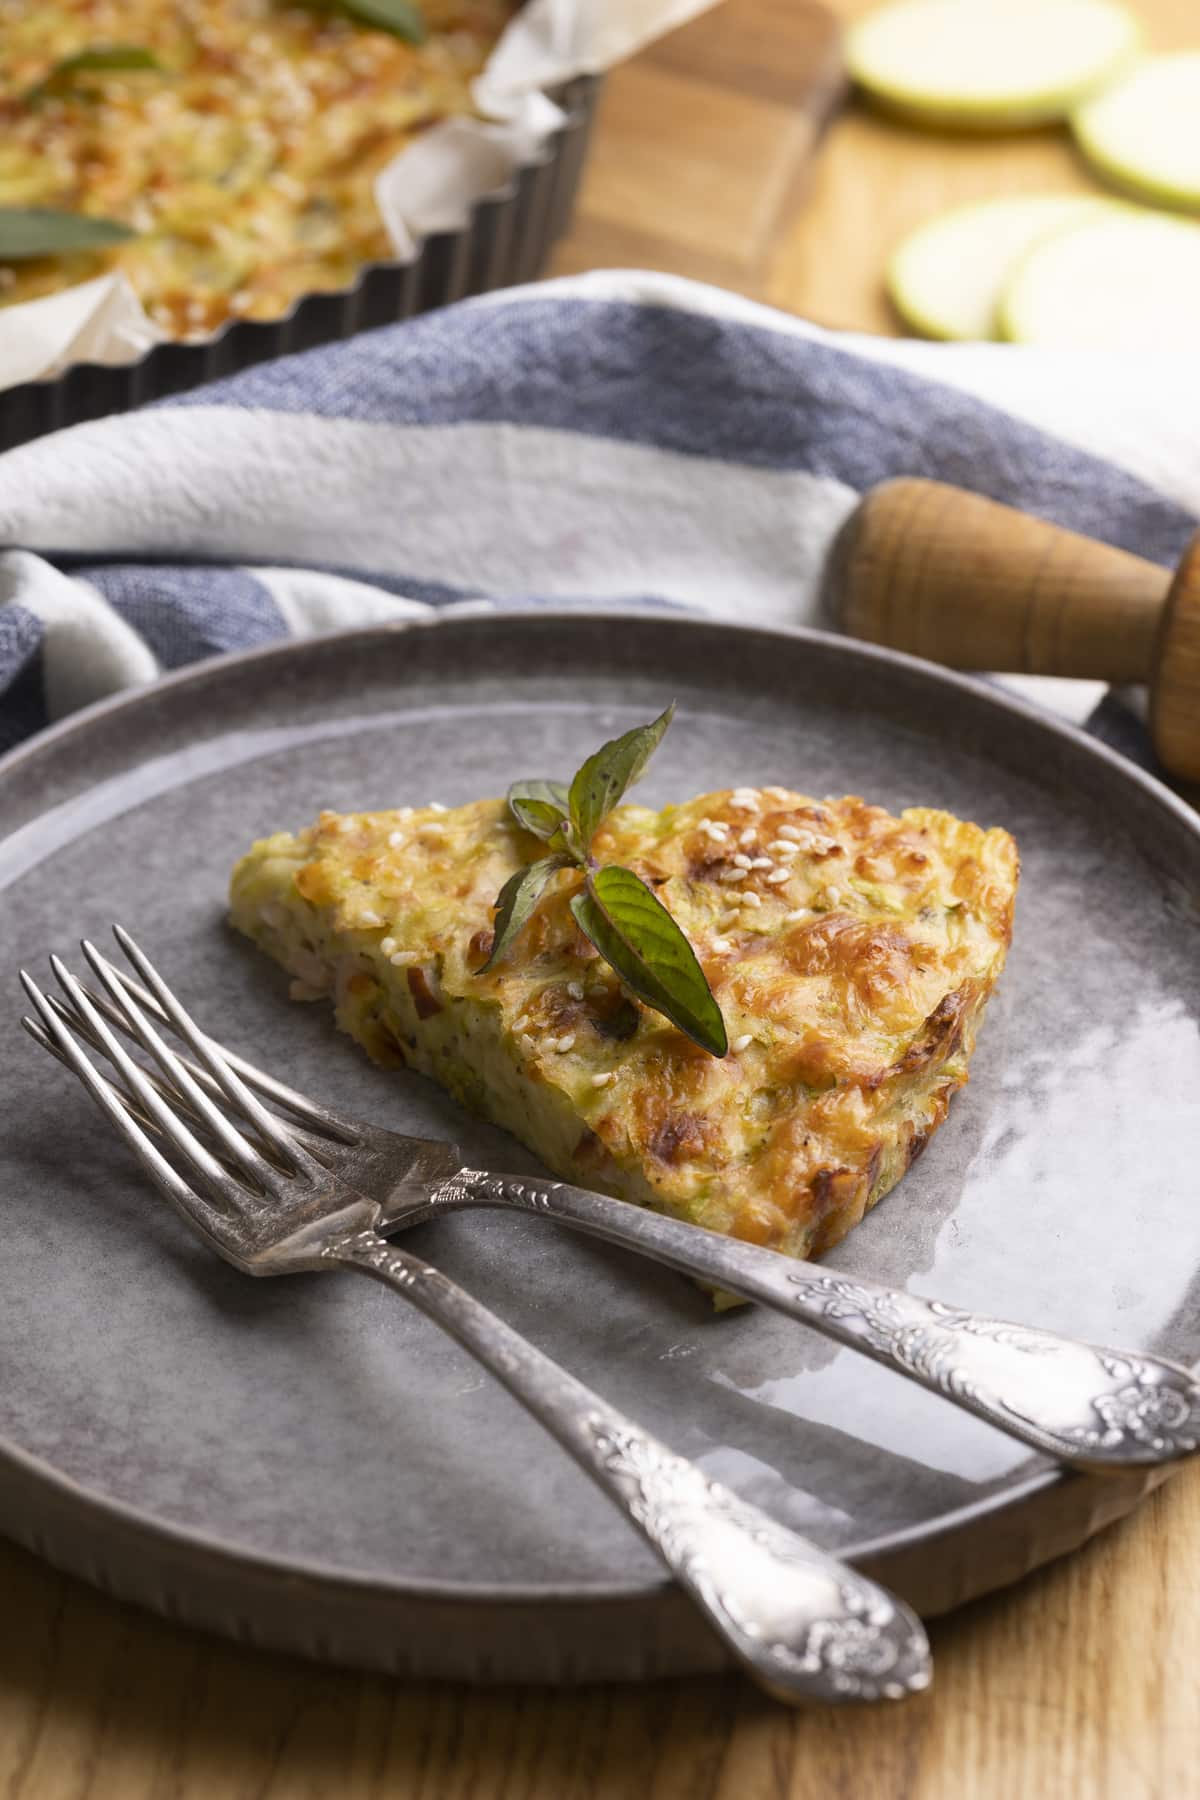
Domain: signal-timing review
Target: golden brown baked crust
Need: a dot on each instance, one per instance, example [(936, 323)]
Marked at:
[(851, 952)]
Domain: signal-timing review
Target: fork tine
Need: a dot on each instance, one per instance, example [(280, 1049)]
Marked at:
[(178, 1135), (41, 1037), (248, 1158), (337, 1125), (74, 1022), (317, 1146), (267, 1124), (79, 1027), (120, 1021), (193, 1206)]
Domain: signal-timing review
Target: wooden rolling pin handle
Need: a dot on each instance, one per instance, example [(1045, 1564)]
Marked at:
[(1175, 690), (948, 575), (962, 580)]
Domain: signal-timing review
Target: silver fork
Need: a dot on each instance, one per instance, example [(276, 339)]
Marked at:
[(1087, 1405), (805, 1625)]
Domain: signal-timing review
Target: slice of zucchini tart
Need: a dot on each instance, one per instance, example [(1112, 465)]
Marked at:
[(851, 953)]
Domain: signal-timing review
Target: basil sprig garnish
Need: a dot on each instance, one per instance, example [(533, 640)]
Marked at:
[(615, 910), (29, 231), (400, 17), (103, 56)]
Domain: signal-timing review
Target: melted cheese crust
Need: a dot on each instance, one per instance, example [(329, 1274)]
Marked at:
[(851, 952), (247, 161)]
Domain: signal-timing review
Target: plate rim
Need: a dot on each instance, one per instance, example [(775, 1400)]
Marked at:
[(973, 685), (24, 1469), (35, 1470)]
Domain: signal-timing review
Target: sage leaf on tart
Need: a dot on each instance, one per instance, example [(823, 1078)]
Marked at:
[(102, 57), (637, 936), (29, 231), (400, 17), (517, 899), (608, 775)]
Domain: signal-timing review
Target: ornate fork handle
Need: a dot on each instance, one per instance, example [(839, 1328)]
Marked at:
[(805, 1625), (1086, 1405)]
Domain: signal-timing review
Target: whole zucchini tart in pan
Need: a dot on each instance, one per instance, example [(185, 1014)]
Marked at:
[(236, 141)]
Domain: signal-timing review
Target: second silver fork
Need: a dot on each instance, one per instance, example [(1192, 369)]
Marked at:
[(805, 1625)]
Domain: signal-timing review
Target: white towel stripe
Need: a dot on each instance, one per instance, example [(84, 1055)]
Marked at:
[(310, 601), (525, 511)]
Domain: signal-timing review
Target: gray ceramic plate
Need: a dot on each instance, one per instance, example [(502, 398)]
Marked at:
[(306, 1463)]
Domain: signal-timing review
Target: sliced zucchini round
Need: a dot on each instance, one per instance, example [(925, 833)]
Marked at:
[(1129, 280), (1143, 132), (985, 65), (946, 278)]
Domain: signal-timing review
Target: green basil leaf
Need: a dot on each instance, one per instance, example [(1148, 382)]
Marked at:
[(104, 56), (604, 777), (29, 231), (565, 844), (538, 816), (540, 807), (553, 792), (634, 932), (517, 899), (400, 17)]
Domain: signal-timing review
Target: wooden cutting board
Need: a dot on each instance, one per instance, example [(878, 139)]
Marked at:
[(704, 142), (708, 162)]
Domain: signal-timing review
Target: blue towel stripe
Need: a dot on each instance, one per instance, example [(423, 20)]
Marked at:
[(691, 383), (24, 709), (186, 612)]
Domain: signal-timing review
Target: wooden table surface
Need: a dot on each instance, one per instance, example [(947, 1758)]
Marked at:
[(1078, 1683), (703, 167)]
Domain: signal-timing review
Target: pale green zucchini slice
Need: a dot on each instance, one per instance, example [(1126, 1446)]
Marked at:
[(946, 278), (1127, 280), (984, 65), (1143, 132)]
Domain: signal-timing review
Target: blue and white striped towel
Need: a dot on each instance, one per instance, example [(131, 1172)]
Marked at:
[(615, 438)]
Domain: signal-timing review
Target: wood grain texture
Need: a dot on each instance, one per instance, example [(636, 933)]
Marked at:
[(705, 142), (864, 186), (1079, 1684), (1175, 691), (951, 576), (931, 569)]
